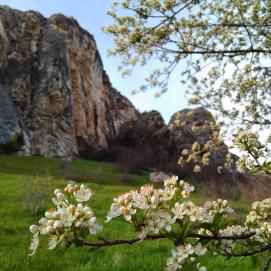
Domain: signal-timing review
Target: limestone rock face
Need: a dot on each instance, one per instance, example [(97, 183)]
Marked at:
[(58, 94), (185, 120), (193, 125)]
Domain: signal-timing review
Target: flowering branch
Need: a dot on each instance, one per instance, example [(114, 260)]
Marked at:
[(158, 214)]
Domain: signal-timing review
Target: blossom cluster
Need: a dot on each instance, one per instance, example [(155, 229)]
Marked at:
[(69, 221), (259, 218), (255, 154), (152, 210), (218, 206), (168, 211), (246, 139), (232, 230), (191, 211), (184, 255)]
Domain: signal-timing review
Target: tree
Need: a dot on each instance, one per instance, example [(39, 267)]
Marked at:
[(225, 46), (221, 49)]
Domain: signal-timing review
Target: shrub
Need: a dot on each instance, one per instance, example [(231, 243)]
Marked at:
[(12, 146)]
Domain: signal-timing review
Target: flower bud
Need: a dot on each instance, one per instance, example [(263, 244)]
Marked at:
[(78, 224), (48, 215), (87, 209), (70, 190), (60, 196), (43, 220), (185, 194), (34, 229), (57, 191), (224, 203)]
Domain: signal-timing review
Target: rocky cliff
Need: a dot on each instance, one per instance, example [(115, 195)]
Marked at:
[(56, 97), (53, 89)]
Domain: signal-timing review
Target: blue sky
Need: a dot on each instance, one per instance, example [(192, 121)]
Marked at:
[(91, 14)]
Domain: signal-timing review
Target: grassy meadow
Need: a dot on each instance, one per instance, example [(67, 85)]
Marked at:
[(24, 181)]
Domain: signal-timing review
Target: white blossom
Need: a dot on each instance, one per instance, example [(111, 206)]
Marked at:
[(60, 223)]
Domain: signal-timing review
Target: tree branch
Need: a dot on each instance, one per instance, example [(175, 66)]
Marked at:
[(120, 242), (229, 53), (250, 252), (219, 237), (202, 237)]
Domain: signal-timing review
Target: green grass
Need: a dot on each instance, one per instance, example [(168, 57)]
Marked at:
[(79, 170), (18, 174)]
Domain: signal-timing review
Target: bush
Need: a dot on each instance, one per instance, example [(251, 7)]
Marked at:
[(12, 146)]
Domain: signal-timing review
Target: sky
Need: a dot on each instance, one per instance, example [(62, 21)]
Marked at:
[(91, 15)]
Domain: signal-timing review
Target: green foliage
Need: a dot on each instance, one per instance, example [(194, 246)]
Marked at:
[(12, 146)]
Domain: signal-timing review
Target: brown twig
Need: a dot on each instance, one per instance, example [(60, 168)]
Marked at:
[(251, 252), (219, 237), (106, 243), (120, 242)]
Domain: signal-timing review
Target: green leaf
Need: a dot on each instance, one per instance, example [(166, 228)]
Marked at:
[(217, 220)]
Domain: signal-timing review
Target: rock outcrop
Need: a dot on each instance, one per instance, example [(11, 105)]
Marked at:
[(159, 146), (197, 125), (53, 86)]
